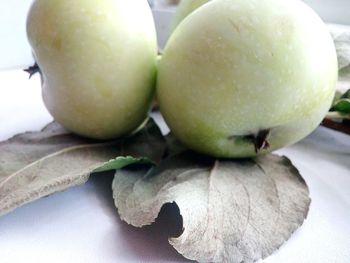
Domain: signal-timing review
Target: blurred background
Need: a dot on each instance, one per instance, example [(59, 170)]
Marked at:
[(15, 51)]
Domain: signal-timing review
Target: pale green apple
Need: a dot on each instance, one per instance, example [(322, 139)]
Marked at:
[(184, 9), (245, 77), (98, 63)]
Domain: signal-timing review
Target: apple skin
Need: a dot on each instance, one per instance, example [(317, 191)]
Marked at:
[(98, 63), (233, 70), (184, 9)]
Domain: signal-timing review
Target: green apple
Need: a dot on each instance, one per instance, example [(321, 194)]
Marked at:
[(245, 77), (184, 9), (98, 63)]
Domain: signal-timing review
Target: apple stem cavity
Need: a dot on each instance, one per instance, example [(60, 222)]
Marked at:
[(32, 70), (260, 140)]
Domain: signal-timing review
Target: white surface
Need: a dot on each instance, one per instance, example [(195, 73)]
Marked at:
[(162, 19), (82, 225), (332, 11), (14, 47)]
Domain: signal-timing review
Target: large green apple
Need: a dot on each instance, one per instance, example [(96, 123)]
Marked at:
[(245, 77), (98, 62)]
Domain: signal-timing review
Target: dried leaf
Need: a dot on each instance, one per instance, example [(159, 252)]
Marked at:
[(232, 211), (341, 37), (33, 165), (173, 145)]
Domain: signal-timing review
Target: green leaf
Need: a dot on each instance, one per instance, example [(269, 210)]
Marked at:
[(121, 162), (37, 164), (341, 103), (342, 106), (232, 211)]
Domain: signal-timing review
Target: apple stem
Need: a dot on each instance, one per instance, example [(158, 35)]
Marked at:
[(260, 140), (32, 70)]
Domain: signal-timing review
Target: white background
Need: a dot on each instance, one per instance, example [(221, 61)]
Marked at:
[(82, 225)]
